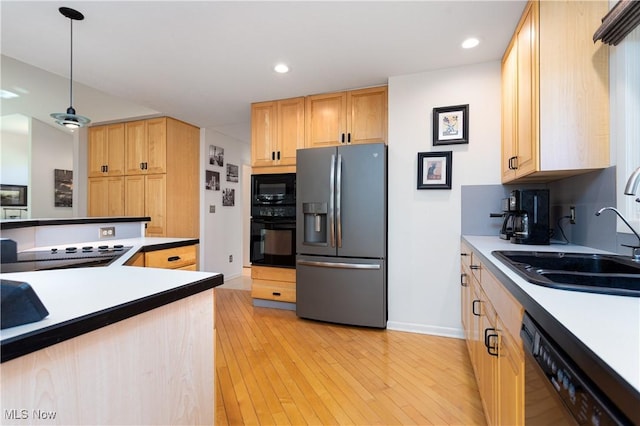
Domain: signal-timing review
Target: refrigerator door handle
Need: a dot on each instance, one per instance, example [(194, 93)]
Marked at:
[(332, 191), (338, 265), (339, 201)]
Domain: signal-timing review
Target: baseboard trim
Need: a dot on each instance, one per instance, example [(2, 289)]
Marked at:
[(455, 333)]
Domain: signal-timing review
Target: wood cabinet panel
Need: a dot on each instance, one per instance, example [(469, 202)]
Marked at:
[(129, 364), (367, 115), (135, 147), (353, 117), (273, 283), (170, 196), (172, 258), (106, 196), (560, 78), (326, 120), (106, 150), (277, 131), (283, 292), (492, 317)]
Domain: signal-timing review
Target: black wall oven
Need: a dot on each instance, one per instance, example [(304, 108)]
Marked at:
[(273, 220)]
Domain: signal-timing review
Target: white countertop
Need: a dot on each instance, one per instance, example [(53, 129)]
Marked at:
[(136, 245), (608, 325), (73, 293)]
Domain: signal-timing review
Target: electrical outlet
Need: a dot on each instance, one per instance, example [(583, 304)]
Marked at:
[(107, 232), (572, 215), (212, 209), (230, 258)]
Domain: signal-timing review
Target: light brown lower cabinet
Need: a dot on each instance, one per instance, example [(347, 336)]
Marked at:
[(184, 258), (491, 319), (273, 283)]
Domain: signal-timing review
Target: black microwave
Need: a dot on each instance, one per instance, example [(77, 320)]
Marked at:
[(273, 195)]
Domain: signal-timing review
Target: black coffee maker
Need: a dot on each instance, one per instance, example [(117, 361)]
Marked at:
[(508, 219), (530, 209)]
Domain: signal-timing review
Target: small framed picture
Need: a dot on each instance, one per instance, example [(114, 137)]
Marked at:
[(434, 170), (451, 125)]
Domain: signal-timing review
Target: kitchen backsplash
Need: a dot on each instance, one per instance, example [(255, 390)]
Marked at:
[(588, 193)]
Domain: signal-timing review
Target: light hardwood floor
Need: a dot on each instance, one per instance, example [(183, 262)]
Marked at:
[(273, 368)]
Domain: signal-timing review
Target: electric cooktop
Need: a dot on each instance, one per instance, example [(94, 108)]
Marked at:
[(64, 258)]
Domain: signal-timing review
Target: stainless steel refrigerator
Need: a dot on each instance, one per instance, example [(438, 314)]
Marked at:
[(341, 234)]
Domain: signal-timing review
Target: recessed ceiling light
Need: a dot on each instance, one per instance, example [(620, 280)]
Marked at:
[(281, 68), (470, 42)]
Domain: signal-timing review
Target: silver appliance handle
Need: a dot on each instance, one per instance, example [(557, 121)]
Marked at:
[(338, 265), (339, 200), (332, 189)]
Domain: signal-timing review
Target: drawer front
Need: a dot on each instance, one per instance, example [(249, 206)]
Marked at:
[(466, 255), (173, 258), (274, 274), (267, 290)]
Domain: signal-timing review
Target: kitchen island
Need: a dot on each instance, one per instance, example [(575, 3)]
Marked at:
[(599, 332), (121, 345)]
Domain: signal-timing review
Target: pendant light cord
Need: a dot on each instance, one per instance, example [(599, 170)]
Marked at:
[(71, 68)]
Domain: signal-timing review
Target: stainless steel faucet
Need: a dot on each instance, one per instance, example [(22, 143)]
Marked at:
[(632, 184), (636, 249)]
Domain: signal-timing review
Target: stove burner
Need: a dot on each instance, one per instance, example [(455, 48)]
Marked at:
[(54, 250), (71, 249), (103, 247), (87, 248)]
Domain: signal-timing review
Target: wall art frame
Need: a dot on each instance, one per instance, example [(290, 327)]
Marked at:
[(434, 170), (451, 125)]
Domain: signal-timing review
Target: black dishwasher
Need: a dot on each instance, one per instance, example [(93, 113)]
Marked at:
[(557, 392)]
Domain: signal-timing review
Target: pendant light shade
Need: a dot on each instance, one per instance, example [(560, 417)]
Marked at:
[(70, 119)]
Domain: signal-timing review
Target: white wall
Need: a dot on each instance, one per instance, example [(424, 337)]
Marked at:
[(424, 225), (50, 149), (221, 233), (14, 165)]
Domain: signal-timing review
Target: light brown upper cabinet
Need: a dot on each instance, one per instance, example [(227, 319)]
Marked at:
[(146, 146), (165, 188), (106, 150), (352, 117), (277, 131), (555, 93)]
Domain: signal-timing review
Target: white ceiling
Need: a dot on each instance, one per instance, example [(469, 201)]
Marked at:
[(205, 62)]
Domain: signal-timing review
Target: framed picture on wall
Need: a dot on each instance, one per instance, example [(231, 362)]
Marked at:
[(434, 170), (451, 125)]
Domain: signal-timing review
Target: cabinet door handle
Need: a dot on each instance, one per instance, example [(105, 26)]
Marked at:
[(273, 155), (513, 163), (146, 165), (276, 293), (141, 166), (106, 168), (464, 254), (348, 137), (491, 349), (473, 308), (342, 138), (463, 282), (173, 258), (278, 155), (475, 267)]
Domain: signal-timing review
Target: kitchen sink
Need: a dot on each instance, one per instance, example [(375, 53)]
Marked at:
[(595, 273)]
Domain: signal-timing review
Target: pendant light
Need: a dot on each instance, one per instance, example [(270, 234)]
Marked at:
[(70, 119)]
